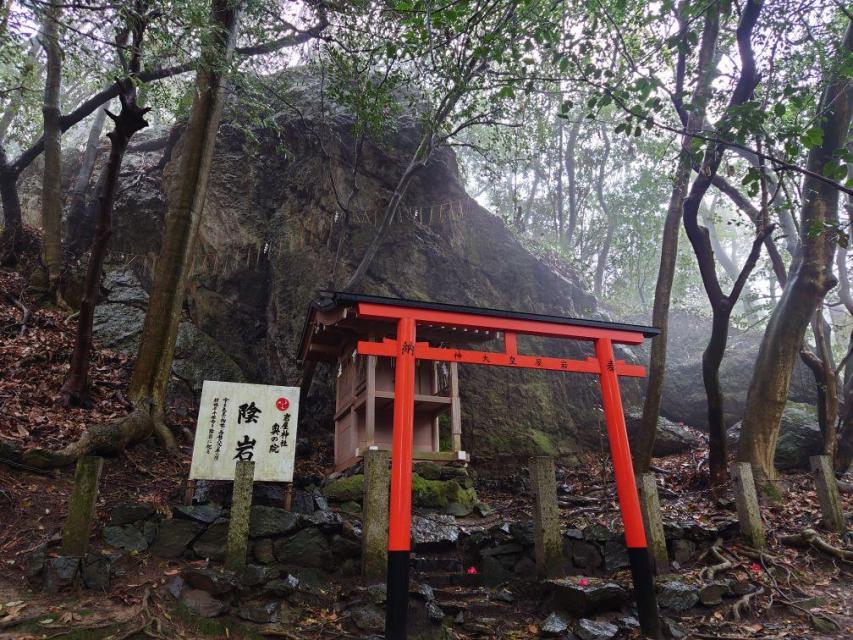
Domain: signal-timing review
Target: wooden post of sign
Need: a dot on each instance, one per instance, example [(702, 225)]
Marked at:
[(827, 493), (374, 517), (241, 506), (748, 513), (81, 509), (650, 507), (548, 543), (288, 497), (189, 492)]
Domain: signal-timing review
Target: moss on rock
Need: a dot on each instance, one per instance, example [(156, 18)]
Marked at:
[(431, 494), (438, 494), (345, 489)]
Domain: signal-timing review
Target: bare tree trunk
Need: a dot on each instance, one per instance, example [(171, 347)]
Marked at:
[(844, 453), (185, 197), (700, 240), (754, 214), (572, 182), (522, 217), (79, 233), (823, 368), (810, 279), (131, 119), (705, 70), (604, 250), (11, 242), (51, 198), (559, 206)]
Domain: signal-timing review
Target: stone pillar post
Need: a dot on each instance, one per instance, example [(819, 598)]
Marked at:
[(374, 517), (827, 493), (81, 508), (546, 518), (650, 507), (241, 508), (748, 512)]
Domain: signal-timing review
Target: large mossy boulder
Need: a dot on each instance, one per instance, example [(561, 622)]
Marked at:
[(263, 252), (799, 436)]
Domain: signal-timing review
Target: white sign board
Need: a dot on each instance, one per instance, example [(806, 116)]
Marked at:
[(245, 422)]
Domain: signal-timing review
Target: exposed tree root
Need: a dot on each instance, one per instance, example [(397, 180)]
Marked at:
[(103, 439), (810, 538), (708, 573), (8, 624), (26, 315), (814, 618), (744, 604)]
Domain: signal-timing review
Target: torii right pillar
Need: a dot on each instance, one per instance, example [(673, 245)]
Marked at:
[(626, 489)]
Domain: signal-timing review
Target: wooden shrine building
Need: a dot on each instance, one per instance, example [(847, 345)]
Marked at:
[(364, 390)]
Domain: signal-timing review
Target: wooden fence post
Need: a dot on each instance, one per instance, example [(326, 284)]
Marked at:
[(81, 508), (241, 507), (546, 518), (827, 493), (650, 507), (748, 512), (374, 515)]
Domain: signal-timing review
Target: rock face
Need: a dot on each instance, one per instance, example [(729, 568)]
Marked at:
[(683, 393), (268, 240), (799, 437), (118, 323)]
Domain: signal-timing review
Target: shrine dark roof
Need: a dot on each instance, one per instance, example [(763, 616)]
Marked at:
[(336, 304)]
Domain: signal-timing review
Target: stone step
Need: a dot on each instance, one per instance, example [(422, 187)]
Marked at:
[(439, 580), (437, 564)]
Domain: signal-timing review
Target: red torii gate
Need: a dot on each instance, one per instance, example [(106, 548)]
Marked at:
[(405, 348)]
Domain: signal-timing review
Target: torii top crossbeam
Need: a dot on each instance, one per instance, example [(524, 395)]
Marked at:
[(405, 321)]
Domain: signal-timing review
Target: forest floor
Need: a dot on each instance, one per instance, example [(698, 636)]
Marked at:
[(803, 592)]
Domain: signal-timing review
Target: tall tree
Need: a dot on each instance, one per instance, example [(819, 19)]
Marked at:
[(705, 71), (810, 277), (722, 304), (572, 181), (51, 194), (185, 196), (604, 250), (130, 119)]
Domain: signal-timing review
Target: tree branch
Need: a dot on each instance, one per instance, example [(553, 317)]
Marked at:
[(102, 97), (750, 263)]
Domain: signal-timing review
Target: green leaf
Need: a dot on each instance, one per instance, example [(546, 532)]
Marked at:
[(812, 137)]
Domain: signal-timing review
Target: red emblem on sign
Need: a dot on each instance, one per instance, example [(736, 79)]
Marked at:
[(282, 404)]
